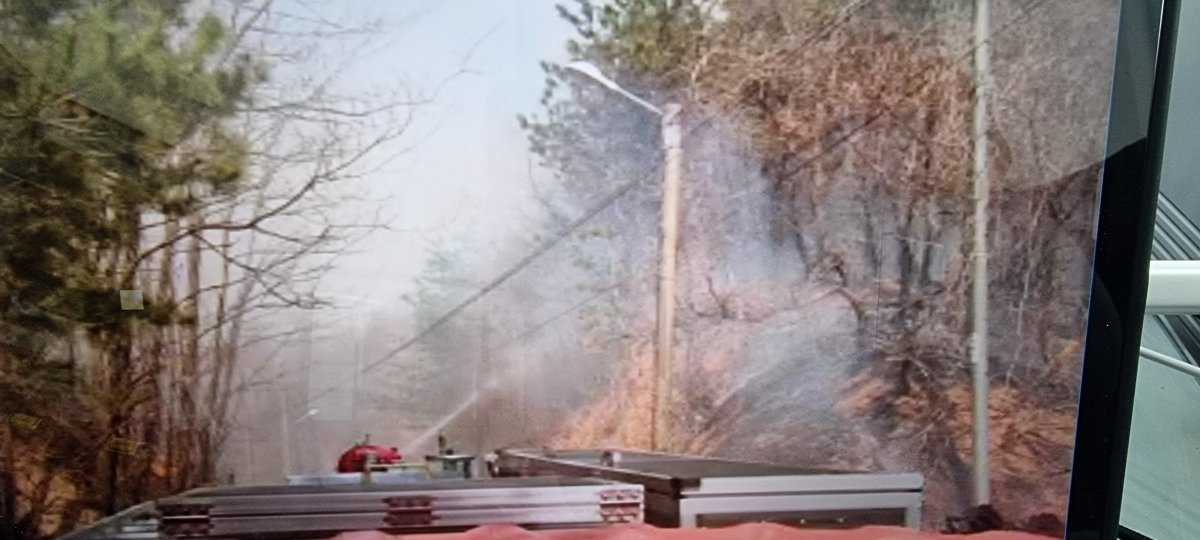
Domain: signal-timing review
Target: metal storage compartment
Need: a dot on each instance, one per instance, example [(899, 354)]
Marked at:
[(323, 510), (690, 491)]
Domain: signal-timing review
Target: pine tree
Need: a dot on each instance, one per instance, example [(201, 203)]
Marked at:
[(110, 116), (437, 375), (592, 138)]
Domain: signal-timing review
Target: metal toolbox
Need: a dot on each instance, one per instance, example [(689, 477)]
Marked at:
[(295, 511), (690, 491)]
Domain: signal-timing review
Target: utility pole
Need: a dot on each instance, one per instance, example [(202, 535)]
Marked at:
[(250, 470), (979, 277), (664, 350), (672, 133), (358, 339), (284, 434), (482, 378)]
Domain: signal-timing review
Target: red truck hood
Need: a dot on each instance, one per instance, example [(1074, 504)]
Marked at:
[(740, 532)]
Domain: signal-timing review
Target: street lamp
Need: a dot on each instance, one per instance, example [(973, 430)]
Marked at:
[(590, 71), (672, 135)]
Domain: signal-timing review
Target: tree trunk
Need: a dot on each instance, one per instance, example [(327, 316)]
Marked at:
[(112, 467), (119, 353), (190, 361), (8, 483), (168, 358), (871, 240), (906, 259)]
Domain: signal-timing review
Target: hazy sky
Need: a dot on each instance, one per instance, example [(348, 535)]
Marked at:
[(466, 175)]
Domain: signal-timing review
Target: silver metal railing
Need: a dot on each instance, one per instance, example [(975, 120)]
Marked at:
[(1173, 295)]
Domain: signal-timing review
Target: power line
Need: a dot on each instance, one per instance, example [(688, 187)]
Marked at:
[(624, 189), (571, 309), (525, 261)]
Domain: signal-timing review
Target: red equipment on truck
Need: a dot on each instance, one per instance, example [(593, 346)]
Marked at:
[(355, 459)]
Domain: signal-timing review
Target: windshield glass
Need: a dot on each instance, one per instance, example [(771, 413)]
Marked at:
[(260, 243)]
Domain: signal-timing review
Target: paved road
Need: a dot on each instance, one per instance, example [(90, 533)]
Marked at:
[(1162, 478)]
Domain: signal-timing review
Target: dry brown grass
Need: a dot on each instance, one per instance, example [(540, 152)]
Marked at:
[(622, 418)]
